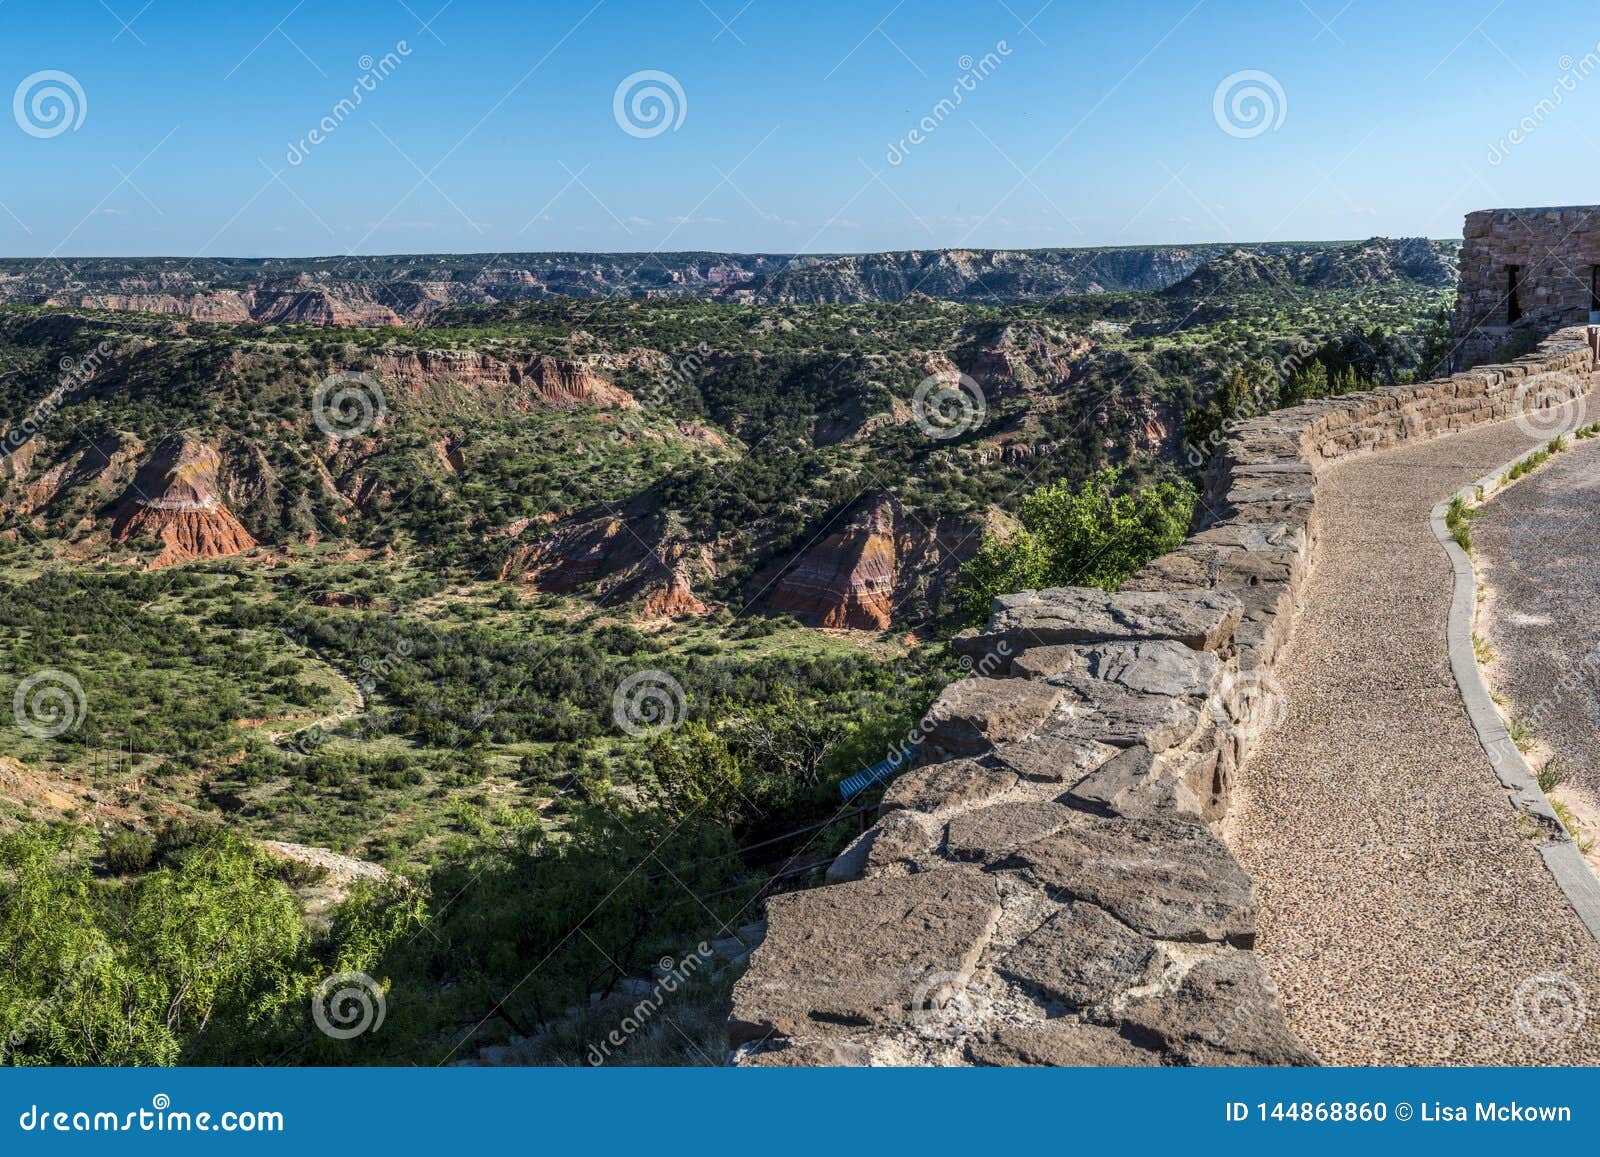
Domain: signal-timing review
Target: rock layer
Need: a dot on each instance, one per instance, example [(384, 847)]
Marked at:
[(175, 499), (541, 383), (860, 576)]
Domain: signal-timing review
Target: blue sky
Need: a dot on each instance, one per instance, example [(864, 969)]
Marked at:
[(495, 126)]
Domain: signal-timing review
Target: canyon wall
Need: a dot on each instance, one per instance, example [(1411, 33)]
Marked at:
[(410, 288), (1046, 885)]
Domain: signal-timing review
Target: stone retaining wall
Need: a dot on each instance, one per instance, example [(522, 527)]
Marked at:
[(1047, 885)]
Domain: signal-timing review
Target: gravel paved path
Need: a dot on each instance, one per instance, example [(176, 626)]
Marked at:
[(1406, 913), (1537, 544)]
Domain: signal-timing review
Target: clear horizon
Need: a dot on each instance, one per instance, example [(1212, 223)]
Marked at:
[(462, 127)]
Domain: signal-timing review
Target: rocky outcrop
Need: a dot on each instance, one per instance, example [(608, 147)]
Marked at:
[(673, 598), (87, 471), (543, 383), (846, 580), (175, 500), (1047, 885), (1379, 261), (860, 576), (623, 556), (307, 307), (574, 556), (1021, 360)]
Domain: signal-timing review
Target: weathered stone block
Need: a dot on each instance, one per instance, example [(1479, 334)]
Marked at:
[(806, 1054), (1079, 957), (1159, 667), (1165, 877), (857, 954), (1136, 784), (940, 786), (1223, 1012), (1203, 620), (1125, 718), (1053, 759), (1060, 1043), (972, 715), (1002, 828)]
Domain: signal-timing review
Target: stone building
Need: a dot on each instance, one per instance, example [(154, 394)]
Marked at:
[(1525, 271)]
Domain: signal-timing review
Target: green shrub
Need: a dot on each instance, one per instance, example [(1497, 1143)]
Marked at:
[(129, 852), (1096, 535)]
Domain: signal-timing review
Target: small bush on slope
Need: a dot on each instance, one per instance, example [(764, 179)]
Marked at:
[(1096, 535)]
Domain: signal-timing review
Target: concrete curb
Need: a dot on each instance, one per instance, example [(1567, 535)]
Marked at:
[(1560, 853)]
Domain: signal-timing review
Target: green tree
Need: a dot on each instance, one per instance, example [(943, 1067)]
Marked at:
[(690, 771), (1094, 535)]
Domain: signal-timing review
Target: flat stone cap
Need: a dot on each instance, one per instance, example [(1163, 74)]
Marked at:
[(1202, 619), (862, 954)]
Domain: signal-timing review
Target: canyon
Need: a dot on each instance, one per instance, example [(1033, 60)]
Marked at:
[(406, 290)]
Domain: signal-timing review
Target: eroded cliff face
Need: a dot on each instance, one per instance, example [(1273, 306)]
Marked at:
[(410, 288), (542, 383), (624, 558), (303, 307), (93, 469), (175, 499), (1024, 360), (861, 576)]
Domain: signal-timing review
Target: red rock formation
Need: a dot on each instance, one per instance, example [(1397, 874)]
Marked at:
[(174, 498), (882, 565), (846, 580), (575, 556), (624, 560), (543, 383), (449, 456), (675, 599), (318, 307), (98, 469), (216, 305), (1023, 361)]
